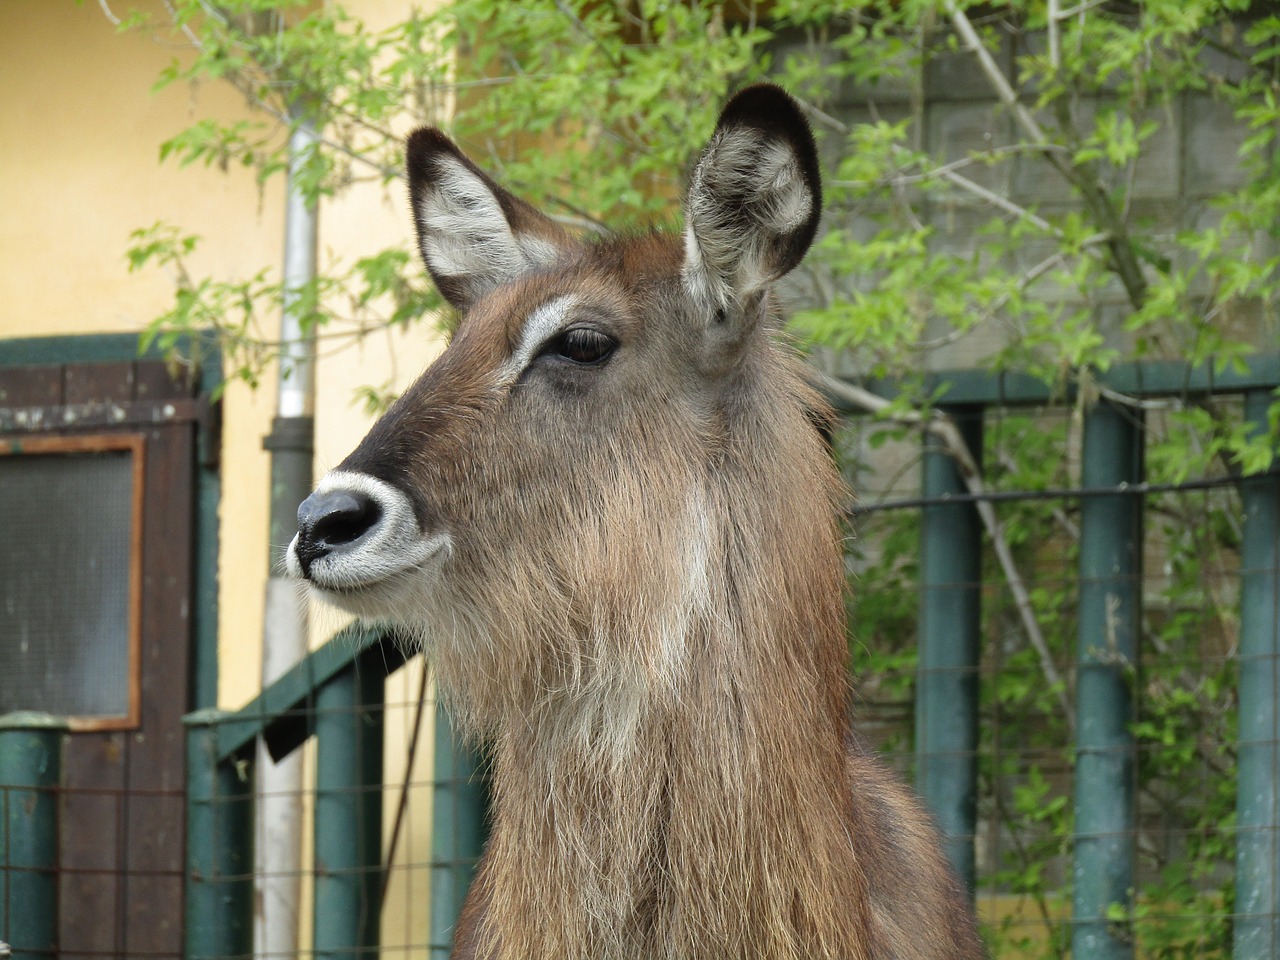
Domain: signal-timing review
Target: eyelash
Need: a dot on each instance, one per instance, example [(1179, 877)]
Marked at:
[(583, 346)]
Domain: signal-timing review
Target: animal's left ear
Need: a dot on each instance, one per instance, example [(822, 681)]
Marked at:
[(754, 201)]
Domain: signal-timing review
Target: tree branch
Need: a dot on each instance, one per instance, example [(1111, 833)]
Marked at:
[(1004, 90), (106, 11), (1083, 176)]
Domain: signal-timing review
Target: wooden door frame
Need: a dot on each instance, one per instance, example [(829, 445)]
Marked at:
[(201, 358), (122, 832)]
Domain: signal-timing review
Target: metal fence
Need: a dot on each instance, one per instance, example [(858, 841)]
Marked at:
[(333, 705), (1078, 713), (335, 699)]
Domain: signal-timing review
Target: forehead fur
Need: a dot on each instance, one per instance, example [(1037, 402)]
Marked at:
[(604, 274), (638, 260)]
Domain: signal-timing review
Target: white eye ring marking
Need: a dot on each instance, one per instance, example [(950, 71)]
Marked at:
[(541, 325)]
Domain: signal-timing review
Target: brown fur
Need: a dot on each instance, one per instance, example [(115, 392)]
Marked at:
[(645, 807), (641, 612)]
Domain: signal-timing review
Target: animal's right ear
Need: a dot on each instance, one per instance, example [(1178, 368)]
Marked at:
[(473, 234)]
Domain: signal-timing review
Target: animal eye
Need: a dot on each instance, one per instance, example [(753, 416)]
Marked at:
[(582, 345)]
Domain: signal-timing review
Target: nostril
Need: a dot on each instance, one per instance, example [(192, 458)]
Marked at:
[(335, 518), (348, 519)]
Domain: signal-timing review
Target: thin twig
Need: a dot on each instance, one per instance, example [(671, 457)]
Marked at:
[(106, 10), (1124, 261), (1004, 90), (1069, 526), (1055, 36), (586, 33), (1038, 896), (1137, 403), (403, 805), (182, 25), (1080, 8), (1002, 203), (214, 12), (982, 156), (809, 107)]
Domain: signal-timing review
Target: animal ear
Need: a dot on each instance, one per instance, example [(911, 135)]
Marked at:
[(754, 200), (473, 234)]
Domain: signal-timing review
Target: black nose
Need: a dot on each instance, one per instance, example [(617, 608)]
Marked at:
[(330, 520)]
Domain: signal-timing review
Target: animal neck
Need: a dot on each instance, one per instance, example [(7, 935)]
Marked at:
[(691, 808)]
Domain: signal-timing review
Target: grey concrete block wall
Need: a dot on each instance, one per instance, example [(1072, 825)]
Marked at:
[(1191, 156), (959, 130), (953, 74), (1211, 147)]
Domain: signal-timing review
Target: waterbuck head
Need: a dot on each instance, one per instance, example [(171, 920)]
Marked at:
[(613, 464), (607, 516)]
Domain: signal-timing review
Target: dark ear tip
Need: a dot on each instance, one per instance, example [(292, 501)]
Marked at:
[(426, 138), (422, 146), (767, 106), (758, 98)]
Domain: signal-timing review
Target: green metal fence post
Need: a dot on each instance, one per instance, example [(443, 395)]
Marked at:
[(348, 812), (30, 776), (219, 888), (457, 832), (947, 670), (1107, 661), (1257, 925)]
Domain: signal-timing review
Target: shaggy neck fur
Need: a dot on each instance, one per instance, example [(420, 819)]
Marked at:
[(668, 741)]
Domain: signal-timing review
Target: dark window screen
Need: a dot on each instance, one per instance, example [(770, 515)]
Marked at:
[(65, 534)]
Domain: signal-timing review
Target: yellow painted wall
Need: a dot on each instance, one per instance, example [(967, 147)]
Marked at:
[(79, 169), (79, 139)]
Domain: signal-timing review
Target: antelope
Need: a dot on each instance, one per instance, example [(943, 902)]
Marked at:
[(607, 516)]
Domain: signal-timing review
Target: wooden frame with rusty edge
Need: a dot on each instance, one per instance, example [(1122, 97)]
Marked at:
[(135, 444)]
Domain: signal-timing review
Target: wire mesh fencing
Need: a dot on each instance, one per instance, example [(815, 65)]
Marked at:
[(389, 822), (1073, 655), (392, 810)]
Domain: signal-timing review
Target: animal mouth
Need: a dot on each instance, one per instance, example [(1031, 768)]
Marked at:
[(339, 574)]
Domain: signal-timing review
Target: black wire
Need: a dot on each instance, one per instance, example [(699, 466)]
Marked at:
[(1052, 493)]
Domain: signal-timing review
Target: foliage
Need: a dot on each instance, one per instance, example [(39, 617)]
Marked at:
[(1048, 237)]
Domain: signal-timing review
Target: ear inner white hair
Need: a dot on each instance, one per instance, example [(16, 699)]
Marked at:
[(464, 231), (747, 193)]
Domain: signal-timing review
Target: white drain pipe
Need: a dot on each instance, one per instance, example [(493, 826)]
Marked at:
[(278, 870)]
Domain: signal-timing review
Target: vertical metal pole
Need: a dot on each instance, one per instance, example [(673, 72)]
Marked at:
[(30, 776), (204, 625), (1107, 662), (219, 888), (285, 621), (458, 827), (947, 670), (348, 813), (1257, 926)]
